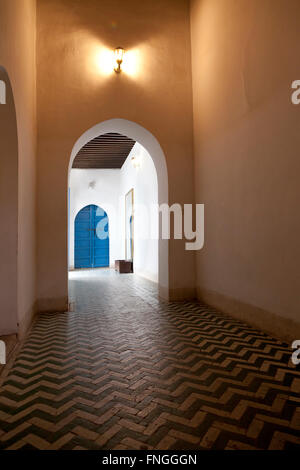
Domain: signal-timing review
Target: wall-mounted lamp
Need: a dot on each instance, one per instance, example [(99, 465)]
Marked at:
[(135, 162), (119, 54), (92, 184)]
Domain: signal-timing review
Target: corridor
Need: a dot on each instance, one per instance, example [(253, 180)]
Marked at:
[(124, 370)]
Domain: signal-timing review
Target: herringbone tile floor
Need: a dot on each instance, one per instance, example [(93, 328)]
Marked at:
[(127, 371)]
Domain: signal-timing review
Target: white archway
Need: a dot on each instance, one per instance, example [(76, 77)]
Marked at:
[(150, 143)]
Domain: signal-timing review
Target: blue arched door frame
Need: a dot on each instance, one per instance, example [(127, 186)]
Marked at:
[(91, 238)]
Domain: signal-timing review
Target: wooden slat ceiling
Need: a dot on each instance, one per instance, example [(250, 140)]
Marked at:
[(106, 151)]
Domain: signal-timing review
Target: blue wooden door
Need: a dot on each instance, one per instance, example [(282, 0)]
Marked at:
[(91, 238)]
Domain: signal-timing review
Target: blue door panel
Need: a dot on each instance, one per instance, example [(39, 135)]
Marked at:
[(90, 250)]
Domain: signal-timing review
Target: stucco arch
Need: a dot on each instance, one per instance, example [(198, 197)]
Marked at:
[(151, 144), (8, 209)]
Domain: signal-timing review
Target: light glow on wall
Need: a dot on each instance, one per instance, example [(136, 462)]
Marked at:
[(105, 61), (131, 63)]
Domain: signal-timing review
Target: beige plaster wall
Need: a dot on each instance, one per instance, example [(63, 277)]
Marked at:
[(74, 95), (247, 161), (17, 56)]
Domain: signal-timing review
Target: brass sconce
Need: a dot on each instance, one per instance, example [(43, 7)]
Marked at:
[(119, 54), (135, 162)]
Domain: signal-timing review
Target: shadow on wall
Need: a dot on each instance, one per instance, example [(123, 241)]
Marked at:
[(86, 19), (8, 207)]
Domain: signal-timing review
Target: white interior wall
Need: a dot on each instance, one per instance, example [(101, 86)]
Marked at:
[(143, 180), (107, 189)]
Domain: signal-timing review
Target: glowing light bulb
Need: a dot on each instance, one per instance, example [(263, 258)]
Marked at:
[(119, 54)]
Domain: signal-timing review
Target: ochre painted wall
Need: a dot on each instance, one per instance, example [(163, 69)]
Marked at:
[(17, 56), (73, 96), (247, 157)]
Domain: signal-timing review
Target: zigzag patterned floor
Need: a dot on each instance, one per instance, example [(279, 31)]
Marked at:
[(127, 371)]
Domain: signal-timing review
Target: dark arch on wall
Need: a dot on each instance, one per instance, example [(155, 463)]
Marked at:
[(8, 208)]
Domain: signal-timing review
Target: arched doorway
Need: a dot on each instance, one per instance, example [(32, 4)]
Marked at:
[(8, 208), (152, 146), (91, 248)]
